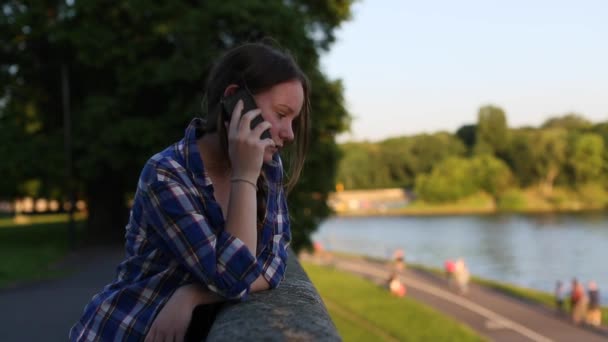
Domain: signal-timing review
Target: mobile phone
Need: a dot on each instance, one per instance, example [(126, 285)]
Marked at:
[(230, 101)]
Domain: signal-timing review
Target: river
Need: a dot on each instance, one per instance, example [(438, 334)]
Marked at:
[(528, 250)]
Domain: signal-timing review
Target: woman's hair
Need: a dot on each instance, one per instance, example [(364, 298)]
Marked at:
[(259, 67)]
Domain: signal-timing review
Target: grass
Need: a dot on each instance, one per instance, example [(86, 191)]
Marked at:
[(27, 251), (363, 311), (530, 295), (10, 222)]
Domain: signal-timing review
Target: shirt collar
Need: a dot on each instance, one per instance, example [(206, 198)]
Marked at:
[(189, 150)]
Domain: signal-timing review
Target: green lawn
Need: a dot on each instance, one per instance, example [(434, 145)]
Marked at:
[(28, 250), (363, 311)]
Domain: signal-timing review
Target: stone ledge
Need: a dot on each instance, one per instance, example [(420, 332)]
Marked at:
[(292, 312)]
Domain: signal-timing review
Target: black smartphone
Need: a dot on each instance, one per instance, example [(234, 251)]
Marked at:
[(229, 102)]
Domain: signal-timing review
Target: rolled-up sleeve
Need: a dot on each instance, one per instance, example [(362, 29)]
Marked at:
[(273, 259), (219, 260)]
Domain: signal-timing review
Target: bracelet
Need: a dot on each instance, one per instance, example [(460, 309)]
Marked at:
[(234, 180)]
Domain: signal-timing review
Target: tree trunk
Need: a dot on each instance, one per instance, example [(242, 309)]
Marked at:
[(108, 212), (550, 180)]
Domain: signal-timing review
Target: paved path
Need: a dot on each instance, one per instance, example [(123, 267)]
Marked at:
[(46, 311), (491, 314)]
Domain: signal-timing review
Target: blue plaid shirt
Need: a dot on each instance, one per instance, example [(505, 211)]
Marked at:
[(176, 236)]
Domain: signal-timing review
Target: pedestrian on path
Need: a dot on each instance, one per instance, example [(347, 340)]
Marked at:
[(560, 294), (209, 222), (395, 286), (450, 272), (594, 313), (461, 275), (398, 261), (580, 301)]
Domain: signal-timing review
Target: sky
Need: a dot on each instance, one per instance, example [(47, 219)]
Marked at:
[(412, 67)]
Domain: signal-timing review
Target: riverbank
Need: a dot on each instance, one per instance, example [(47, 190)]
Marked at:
[(527, 201)]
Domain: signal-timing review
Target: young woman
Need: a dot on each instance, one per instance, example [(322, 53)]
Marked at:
[(210, 221)]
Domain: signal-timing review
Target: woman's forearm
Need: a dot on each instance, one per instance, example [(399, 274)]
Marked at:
[(241, 215), (260, 284), (199, 295)]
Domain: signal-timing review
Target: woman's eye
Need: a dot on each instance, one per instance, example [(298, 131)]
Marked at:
[(281, 115)]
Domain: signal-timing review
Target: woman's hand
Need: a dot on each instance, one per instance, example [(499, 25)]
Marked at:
[(245, 146), (171, 323)]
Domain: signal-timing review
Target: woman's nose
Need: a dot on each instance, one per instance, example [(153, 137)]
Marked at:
[(286, 132)]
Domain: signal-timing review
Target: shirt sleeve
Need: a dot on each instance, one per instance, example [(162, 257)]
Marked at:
[(273, 259), (218, 259)]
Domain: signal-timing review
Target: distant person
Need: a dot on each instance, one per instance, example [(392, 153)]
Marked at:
[(574, 295), (321, 255), (560, 295), (594, 313), (395, 286), (461, 274), (399, 261), (579, 311), (450, 272), (318, 250), (210, 221)]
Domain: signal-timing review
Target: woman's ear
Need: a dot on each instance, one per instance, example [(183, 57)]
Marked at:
[(231, 89)]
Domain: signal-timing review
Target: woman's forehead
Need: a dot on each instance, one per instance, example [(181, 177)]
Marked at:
[(290, 94)]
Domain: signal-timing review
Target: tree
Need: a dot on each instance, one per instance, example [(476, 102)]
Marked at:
[(587, 158), (521, 157), (450, 180), (468, 135), (492, 131), (550, 153), (363, 167), (136, 72), (491, 174), (602, 130), (395, 162), (570, 121)]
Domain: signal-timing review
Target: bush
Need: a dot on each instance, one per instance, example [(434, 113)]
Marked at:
[(511, 200)]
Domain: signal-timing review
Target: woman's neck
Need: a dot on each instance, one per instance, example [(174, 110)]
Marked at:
[(214, 159)]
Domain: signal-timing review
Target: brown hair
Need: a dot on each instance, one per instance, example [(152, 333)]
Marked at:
[(259, 67)]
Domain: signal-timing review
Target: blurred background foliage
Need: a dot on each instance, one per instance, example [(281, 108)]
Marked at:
[(135, 71), (568, 152)]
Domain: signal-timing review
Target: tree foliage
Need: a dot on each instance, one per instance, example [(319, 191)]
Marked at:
[(587, 158), (136, 72), (450, 180), (492, 130), (568, 151)]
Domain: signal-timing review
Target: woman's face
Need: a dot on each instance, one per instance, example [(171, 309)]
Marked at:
[(280, 106)]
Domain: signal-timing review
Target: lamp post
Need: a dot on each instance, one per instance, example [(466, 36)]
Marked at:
[(67, 143)]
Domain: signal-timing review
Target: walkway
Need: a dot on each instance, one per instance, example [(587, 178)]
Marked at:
[(493, 315), (46, 311)]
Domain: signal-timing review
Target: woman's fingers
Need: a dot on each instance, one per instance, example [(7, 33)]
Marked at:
[(268, 143), (245, 123), (235, 118), (259, 129)]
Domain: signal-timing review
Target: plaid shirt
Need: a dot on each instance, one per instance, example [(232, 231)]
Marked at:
[(176, 236)]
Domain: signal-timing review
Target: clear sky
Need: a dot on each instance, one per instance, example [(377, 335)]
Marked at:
[(424, 66)]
